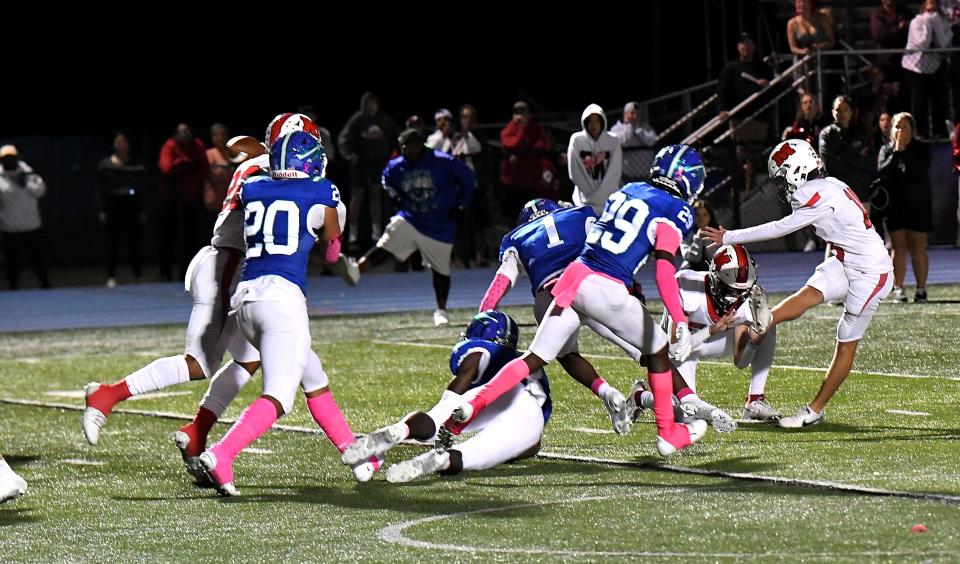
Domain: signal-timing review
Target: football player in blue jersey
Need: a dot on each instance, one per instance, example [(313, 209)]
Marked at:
[(509, 429), (548, 237), (640, 220), (429, 188), (285, 215)]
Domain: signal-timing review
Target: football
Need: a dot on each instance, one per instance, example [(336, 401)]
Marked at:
[(243, 147)]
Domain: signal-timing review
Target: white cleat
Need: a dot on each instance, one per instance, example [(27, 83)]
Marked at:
[(697, 429), (12, 485), (429, 462), (190, 463), (721, 421), (364, 471), (208, 461), (440, 317), (351, 270), (803, 418), (376, 443), (93, 418), (759, 309), (760, 411), (619, 411)]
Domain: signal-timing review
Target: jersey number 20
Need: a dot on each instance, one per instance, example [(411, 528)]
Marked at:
[(264, 218)]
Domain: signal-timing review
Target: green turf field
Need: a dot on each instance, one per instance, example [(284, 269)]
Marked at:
[(129, 499)]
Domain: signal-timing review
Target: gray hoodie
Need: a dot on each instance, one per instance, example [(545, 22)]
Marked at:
[(594, 165)]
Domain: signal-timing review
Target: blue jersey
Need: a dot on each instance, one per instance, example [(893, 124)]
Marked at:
[(279, 221), (430, 191), (624, 236), (546, 245), (494, 358)]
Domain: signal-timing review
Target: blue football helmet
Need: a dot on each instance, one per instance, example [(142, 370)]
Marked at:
[(536, 208), (297, 155), (678, 169), (494, 326)]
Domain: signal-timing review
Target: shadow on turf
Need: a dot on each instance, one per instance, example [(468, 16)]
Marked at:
[(11, 515)]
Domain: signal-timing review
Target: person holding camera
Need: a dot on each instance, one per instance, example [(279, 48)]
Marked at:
[(20, 192)]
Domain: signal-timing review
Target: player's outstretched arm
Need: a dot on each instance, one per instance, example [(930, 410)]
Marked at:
[(503, 280), (666, 245)]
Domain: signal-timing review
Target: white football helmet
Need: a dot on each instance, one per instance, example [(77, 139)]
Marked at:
[(791, 164), (733, 273)]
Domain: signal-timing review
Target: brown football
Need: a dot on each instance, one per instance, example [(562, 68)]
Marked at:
[(243, 147)]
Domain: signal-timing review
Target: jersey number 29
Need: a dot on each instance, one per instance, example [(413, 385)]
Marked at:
[(620, 231)]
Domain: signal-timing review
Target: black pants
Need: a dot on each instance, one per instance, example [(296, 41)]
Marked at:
[(123, 224), (16, 248), (184, 228), (928, 96)]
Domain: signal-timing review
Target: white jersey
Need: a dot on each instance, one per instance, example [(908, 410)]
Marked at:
[(700, 309), (228, 230), (837, 217)]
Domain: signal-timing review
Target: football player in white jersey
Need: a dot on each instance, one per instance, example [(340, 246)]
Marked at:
[(859, 270), (211, 279), (718, 307)]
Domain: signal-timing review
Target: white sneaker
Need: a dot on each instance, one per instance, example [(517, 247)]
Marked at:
[(761, 411), (93, 419), (376, 443), (803, 418), (364, 471), (440, 317), (618, 411), (12, 485), (697, 430), (759, 309), (696, 408), (898, 295), (111, 282), (424, 464), (190, 463), (208, 461), (350, 270)]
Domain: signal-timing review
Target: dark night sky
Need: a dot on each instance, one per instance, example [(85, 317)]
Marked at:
[(87, 80)]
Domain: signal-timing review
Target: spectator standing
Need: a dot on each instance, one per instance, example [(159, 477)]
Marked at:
[(21, 233), (637, 139), (594, 160), (120, 181)]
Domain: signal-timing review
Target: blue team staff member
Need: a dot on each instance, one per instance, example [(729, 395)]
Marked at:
[(640, 220), (429, 188), (510, 429)]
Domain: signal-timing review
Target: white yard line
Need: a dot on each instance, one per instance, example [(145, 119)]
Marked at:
[(717, 363), (821, 484), (394, 534)]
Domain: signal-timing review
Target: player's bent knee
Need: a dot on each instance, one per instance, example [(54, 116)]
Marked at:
[(194, 368), (251, 366), (659, 361)]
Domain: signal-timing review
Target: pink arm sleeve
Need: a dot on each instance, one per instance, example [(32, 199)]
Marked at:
[(495, 292), (668, 240), (333, 251), (502, 282)]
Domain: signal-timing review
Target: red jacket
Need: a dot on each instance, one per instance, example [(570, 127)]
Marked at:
[(956, 150), (183, 171), (529, 144)]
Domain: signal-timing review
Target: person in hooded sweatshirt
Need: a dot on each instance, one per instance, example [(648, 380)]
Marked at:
[(594, 160)]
